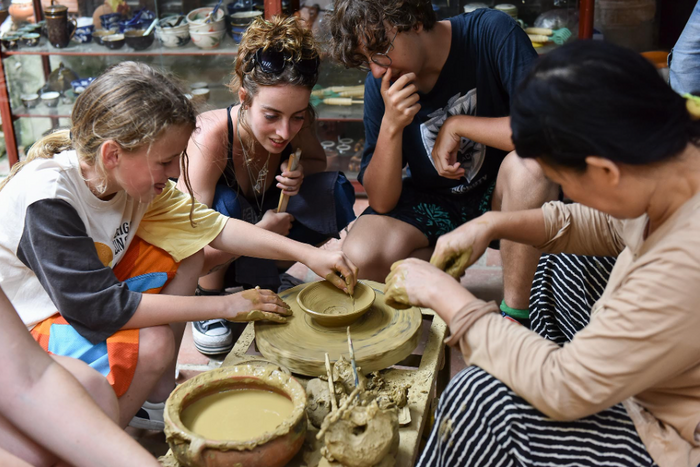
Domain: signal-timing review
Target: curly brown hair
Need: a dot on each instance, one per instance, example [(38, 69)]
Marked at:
[(283, 34), (361, 23), (287, 35)]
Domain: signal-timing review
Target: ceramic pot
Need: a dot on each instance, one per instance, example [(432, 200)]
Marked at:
[(197, 20), (83, 34), (21, 11), (30, 100), (50, 99), (60, 29), (137, 41), (200, 95), (60, 79), (171, 35), (10, 42), (207, 40), (272, 449), (113, 42), (101, 34), (30, 39)]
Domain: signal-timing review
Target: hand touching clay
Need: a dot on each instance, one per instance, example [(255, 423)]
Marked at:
[(459, 249), (336, 268), (414, 282), (258, 304)]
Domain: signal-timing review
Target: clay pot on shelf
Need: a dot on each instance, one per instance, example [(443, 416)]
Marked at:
[(137, 41), (60, 29), (60, 78), (21, 11)]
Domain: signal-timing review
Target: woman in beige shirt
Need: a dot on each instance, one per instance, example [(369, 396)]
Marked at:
[(626, 390)]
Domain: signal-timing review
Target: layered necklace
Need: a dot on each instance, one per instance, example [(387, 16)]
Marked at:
[(258, 182)]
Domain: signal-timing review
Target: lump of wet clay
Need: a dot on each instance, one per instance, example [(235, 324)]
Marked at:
[(385, 393), (363, 437), (318, 401), (342, 373)]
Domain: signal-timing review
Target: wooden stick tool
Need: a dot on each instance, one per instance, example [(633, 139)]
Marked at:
[(292, 165)]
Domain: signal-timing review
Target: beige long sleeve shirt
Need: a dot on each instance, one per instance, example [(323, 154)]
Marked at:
[(642, 346)]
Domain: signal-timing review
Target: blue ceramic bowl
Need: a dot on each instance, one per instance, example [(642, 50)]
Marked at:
[(79, 85), (83, 34), (110, 20), (239, 5)]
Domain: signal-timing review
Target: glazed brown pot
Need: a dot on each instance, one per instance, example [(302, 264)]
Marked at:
[(60, 29), (272, 449)]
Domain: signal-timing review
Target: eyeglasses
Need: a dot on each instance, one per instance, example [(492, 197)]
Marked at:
[(379, 58), (274, 61)]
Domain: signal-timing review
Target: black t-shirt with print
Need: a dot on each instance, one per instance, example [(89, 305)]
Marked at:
[(489, 55)]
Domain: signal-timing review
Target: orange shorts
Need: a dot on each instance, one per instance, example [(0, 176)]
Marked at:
[(144, 268)]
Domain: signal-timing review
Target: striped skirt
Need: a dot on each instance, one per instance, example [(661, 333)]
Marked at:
[(481, 422)]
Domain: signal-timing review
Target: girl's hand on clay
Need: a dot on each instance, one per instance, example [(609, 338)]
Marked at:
[(336, 268), (290, 181), (459, 249), (445, 152), (277, 222), (257, 304), (400, 99)]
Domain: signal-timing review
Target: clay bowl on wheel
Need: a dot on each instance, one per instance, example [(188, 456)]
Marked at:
[(331, 307), (271, 436)]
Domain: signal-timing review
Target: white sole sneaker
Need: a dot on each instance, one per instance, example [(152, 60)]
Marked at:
[(212, 337), (149, 417)]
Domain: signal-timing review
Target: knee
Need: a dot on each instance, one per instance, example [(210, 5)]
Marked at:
[(360, 252), (156, 348), (524, 180), (94, 383), (194, 262), (102, 393)]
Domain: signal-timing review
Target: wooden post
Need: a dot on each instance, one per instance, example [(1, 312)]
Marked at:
[(585, 19), (8, 127), (273, 8)]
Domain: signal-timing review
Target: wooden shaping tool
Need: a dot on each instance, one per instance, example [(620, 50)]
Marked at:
[(292, 165)]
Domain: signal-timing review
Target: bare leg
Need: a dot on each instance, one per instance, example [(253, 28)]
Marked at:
[(154, 378), (183, 284), (214, 269), (18, 450), (156, 353), (521, 184), (375, 242)]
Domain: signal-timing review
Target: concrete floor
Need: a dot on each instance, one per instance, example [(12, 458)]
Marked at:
[(484, 279)]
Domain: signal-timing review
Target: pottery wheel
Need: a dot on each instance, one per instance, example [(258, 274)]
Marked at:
[(381, 337)]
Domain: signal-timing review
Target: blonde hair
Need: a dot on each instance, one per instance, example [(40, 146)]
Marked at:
[(131, 104)]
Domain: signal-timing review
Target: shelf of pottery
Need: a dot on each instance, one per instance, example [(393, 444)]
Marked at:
[(47, 64)]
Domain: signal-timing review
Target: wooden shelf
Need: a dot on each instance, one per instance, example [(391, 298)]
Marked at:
[(227, 47)]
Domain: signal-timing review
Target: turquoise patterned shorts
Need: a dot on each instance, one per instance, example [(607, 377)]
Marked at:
[(436, 214)]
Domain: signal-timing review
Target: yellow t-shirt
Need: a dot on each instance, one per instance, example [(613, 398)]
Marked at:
[(166, 224)]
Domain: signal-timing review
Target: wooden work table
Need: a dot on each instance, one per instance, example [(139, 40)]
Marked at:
[(422, 371)]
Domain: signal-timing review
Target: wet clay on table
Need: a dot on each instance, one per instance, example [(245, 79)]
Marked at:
[(382, 337), (363, 437), (239, 414)]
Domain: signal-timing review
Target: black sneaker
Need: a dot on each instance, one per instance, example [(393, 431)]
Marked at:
[(149, 417), (212, 337)]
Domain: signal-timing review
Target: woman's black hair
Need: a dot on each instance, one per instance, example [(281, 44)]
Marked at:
[(592, 98)]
